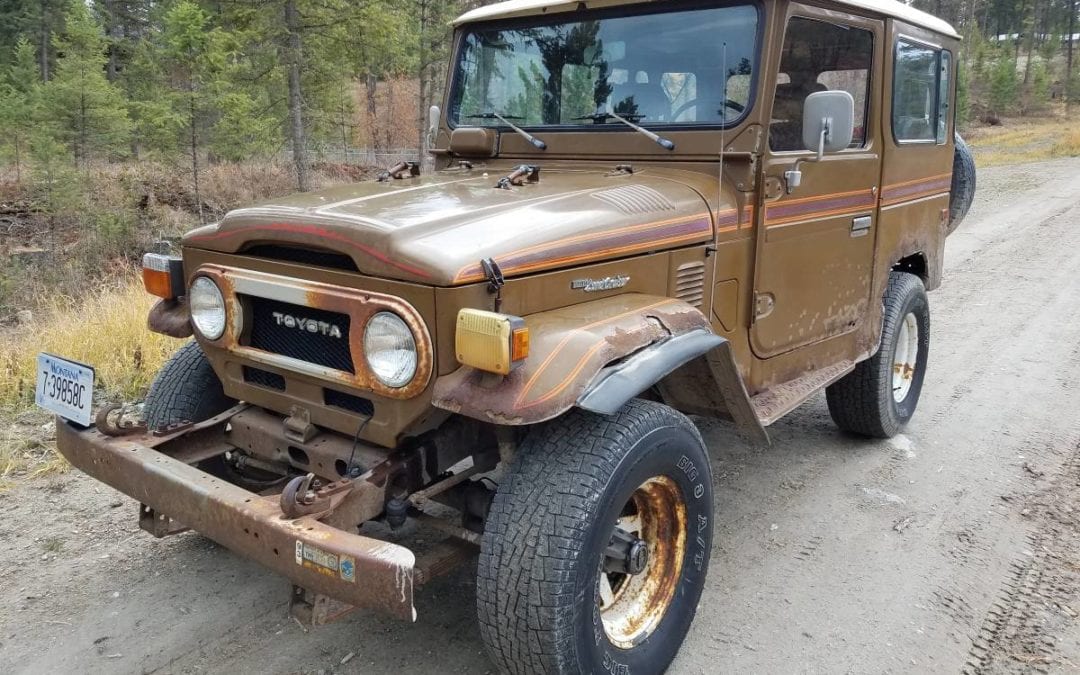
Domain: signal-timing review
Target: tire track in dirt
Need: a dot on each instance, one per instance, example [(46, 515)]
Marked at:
[(1045, 583)]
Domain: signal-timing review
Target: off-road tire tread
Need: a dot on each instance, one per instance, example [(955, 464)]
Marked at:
[(857, 401), (554, 485), (185, 389), (963, 184)]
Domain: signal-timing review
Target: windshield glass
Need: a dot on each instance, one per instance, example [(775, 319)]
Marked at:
[(655, 69)]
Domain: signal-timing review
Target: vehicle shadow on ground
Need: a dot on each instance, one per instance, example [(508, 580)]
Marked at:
[(446, 632)]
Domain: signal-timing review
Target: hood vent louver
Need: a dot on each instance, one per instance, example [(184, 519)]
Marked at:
[(690, 283), (635, 199)]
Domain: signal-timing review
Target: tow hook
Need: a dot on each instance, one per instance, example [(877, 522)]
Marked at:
[(114, 420), (306, 496)]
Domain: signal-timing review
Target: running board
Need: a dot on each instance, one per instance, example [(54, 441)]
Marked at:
[(772, 404)]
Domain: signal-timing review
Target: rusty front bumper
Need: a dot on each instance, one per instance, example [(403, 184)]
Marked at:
[(356, 570)]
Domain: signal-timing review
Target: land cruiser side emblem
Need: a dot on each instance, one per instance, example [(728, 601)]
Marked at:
[(309, 325), (605, 284)]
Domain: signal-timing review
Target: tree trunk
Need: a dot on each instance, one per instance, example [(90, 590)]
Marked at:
[(44, 39), (343, 116), (371, 84), (296, 96), (18, 159), (1069, 93), (1020, 31), (195, 153), (1031, 41), (424, 83), (112, 32)]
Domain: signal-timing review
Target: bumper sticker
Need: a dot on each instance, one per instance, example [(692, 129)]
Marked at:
[(348, 568), (324, 562)]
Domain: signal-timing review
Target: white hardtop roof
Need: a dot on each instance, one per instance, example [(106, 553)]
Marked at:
[(515, 8)]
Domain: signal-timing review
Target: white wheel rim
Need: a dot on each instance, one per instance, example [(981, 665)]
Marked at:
[(905, 357)]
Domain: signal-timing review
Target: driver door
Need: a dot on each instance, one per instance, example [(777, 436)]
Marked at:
[(816, 242)]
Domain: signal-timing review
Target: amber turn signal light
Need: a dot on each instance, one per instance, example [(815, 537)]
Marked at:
[(496, 343), (519, 344), (163, 275)]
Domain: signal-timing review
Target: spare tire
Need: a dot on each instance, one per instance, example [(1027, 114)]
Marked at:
[(963, 184)]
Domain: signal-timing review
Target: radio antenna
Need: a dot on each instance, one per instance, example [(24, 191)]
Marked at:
[(723, 129)]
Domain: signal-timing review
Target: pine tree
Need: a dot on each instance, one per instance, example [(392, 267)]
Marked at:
[(19, 89), (194, 56), (85, 112)]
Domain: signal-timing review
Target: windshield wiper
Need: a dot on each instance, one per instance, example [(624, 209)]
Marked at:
[(660, 140), (601, 117), (492, 115)]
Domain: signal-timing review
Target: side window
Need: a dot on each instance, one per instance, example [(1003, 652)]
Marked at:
[(820, 56), (920, 93), (943, 99)]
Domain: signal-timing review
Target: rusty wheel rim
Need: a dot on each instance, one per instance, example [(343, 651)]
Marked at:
[(640, 569)]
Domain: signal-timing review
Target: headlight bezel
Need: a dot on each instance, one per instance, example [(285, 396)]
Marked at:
[(359, 305), (211, 332), (389, 319)]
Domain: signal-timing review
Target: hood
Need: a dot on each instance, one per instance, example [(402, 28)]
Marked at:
[(436, 229)]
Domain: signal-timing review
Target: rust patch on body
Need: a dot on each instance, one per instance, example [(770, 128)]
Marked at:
[(570, 347)]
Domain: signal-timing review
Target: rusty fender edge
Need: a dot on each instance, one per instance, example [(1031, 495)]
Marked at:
[(615, 385), (357, 570)]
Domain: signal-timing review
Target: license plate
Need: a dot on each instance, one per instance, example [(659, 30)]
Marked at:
[(65, 388)]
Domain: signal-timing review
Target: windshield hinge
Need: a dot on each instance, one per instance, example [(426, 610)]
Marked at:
[(526, 173), (398, 169)]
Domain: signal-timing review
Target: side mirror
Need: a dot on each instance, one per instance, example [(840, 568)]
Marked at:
[(828, 126), (828, 121)]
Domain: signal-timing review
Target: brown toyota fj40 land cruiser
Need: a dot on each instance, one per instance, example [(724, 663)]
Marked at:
[(639, 210)]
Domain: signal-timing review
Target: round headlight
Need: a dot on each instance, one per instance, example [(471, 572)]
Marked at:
[(390, 349), (207, 307)]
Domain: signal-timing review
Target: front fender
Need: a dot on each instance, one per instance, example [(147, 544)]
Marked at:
[(570, 346)]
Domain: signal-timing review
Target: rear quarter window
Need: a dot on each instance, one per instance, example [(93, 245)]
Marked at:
[(920, 93)]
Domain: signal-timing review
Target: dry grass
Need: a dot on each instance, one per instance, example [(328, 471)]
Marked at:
[(106, 330), (1024, 140)]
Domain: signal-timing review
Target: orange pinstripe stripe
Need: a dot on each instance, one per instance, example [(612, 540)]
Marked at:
[(587, 237)]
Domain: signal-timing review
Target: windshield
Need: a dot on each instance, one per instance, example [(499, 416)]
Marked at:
[(679, 67)]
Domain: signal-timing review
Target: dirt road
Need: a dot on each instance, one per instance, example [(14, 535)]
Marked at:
[(955, 547)]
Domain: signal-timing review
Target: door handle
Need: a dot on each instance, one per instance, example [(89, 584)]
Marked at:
[(860, 227)]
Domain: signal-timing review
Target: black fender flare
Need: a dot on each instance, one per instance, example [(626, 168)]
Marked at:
[(616, 384)]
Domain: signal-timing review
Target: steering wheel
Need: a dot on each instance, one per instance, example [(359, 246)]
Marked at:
[(737, 107)]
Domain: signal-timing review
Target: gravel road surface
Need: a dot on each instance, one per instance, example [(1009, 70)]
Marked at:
[(952, 548)]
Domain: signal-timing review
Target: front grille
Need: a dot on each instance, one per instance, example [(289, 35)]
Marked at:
[(264, 378), (283, 328), (304, 256), (356, 404)]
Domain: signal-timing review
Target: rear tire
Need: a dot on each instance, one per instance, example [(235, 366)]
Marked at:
[(562, 585), (879, 397)]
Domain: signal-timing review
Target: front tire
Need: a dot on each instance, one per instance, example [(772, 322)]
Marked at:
[(596, 548), (879, 397)]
